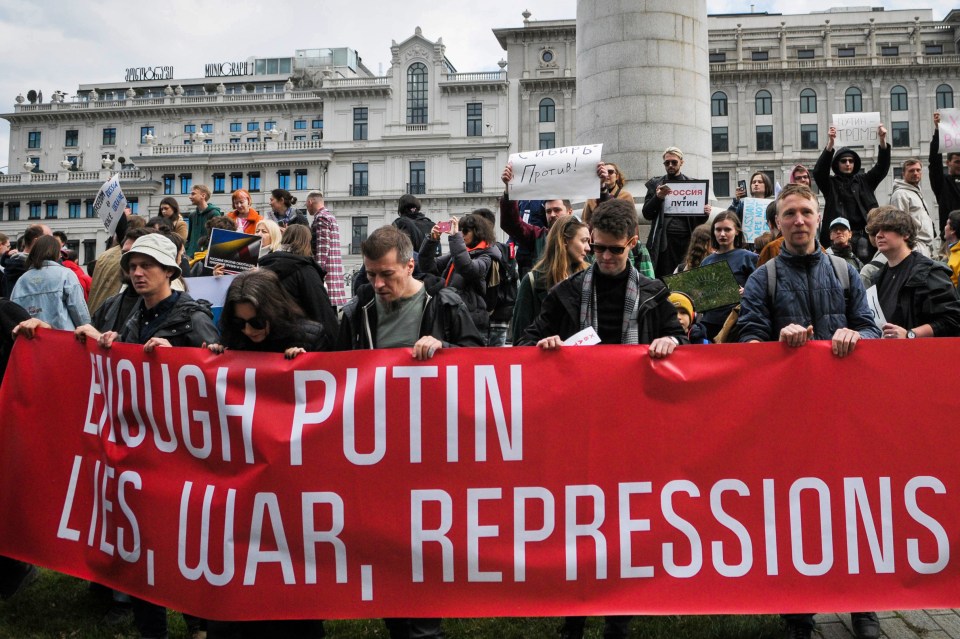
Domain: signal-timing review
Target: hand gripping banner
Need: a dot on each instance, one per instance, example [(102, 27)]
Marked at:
[(488, 482)]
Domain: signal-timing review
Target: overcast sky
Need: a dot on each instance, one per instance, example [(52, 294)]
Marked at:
[(53, 45)]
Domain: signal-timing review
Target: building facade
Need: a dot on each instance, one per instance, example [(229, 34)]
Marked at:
[(321, 120), (318, 120)]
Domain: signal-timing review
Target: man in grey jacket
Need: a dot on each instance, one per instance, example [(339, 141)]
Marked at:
[(908, 197)]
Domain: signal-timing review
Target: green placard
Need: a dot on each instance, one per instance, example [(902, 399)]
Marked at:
[(710, 286)]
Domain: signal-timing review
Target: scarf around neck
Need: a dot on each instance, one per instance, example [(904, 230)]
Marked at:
[(588, 305)]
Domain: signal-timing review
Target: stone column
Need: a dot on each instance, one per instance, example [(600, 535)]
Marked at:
[(643, 84)]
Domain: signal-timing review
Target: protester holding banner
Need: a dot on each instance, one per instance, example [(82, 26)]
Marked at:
[(473, 250), (565, 253), (611, 187), (669, 234), (243, 215), (113, 313), (527, 235), (849, 193), (946, 188), (760, 187), (170, 210), (727, 241), (50, 291), (302, 277), (916, 294)]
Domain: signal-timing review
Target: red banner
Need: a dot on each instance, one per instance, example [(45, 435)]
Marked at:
[(488, 482)]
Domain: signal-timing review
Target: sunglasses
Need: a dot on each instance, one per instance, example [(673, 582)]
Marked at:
[(257, 323), (671, 162), (845, 161), (603, 248)]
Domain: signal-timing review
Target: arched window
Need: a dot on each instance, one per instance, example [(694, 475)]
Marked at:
[(853, 100), (898, 98), (718, 103), (417, 93), (764, 102), (808, 101), (944, 96), (548, 110)]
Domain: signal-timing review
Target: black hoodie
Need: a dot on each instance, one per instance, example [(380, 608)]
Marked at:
[(303, 278), (848, 195)]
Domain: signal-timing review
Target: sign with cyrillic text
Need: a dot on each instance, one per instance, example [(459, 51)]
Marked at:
[(368, 484), (856, 129), (569, 172), (687, 198), (238, 252), (754, 217), (949, 130), (110, 203)]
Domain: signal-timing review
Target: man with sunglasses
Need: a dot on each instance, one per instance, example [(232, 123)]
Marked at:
[(612, 297), (849, 193), (669, 235)]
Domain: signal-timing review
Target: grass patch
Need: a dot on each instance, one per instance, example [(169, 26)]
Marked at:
[(60, 607)]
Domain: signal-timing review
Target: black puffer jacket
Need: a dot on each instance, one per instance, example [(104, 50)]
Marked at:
[(189, 323), (926, 297), (302, 277), (560, 312), (445, 318), (13, 268), (469, 276), (856, 187)]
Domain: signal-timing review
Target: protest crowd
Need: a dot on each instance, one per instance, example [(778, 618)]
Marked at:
[(826, 268)]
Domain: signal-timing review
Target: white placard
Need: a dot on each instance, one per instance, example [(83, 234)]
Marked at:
[(686, 198), (754, 217), (569, 172), (210, 288), (873, 301), (949, 130), (856, 129), (586, 337), (110, 203)]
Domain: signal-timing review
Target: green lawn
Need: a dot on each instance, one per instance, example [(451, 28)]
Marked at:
[(61, 607)]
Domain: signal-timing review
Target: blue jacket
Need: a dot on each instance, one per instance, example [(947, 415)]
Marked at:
[(53, 294), (808, 293)]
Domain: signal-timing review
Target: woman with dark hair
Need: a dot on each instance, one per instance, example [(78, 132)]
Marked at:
[(727, 241), (701, 245), (170, 209), (760, 187), (302, 277), (48, 291), (281, 204), (564, 253), (472, 250), (258, 315)]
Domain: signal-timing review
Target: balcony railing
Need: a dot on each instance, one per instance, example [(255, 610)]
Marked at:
[(359, 190), (416, 188), (473, 187)]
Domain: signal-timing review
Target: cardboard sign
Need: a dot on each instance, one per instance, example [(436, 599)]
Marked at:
[(687, 198), (237, 251), (949, 130), (754, 217), (712, 286), (856, 129), (110, 203), (569, 172)]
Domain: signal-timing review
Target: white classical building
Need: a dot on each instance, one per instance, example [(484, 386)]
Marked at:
[(318, 120), (321, 120)]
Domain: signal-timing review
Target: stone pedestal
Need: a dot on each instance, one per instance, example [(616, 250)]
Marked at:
[(643, 84)]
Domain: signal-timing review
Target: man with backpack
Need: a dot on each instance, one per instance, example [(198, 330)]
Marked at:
[(804, 294), (809, 296), (411, 221)]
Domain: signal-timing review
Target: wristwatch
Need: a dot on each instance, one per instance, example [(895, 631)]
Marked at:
[(911, 334)]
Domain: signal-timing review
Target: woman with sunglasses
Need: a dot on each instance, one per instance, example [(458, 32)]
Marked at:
[(611, 187)]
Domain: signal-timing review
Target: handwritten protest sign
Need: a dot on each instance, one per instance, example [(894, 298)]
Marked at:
[(237, 251), (711, 286), (949, 130), (856, 129), (569, 172), (110, 203), (686, 198), (754, 217)]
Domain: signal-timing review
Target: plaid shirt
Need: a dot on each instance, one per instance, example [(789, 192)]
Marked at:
[(326, 251)]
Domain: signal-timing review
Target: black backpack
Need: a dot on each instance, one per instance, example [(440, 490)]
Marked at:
[(502, 285)]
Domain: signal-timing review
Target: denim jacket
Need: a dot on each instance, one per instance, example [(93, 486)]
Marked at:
[(52, 293)]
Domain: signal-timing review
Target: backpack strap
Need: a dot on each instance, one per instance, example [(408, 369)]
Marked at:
[(840, 268), (771, 267)]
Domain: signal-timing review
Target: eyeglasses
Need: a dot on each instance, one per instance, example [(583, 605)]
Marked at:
[(599, 249), (256, 322), (845, 161), (671, 162)]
